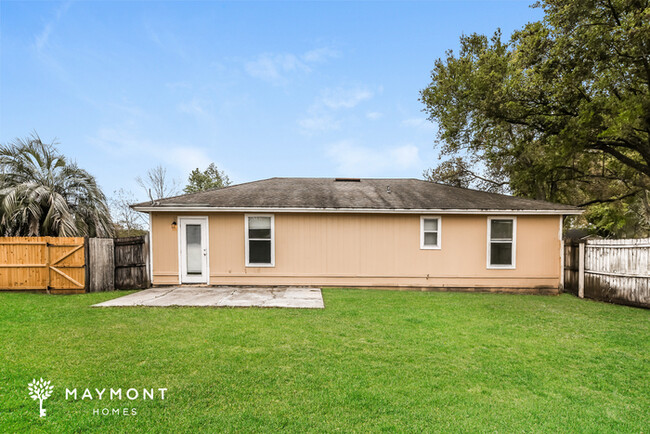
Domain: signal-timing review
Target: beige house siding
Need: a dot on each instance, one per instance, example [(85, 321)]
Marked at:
[(380, 250)]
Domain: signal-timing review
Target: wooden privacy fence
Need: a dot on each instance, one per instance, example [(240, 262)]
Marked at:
[(65, 265), (611, 270), (42, 263)]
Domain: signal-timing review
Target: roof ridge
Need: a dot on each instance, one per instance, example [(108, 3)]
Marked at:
[(405, 193), (339, 177)]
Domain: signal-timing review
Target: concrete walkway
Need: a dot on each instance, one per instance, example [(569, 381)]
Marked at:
[(310, 298)]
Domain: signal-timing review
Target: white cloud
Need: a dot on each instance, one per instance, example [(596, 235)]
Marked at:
[(128, 108), (374, 115), (320, 55), (178, 85), (355, 160), (192, 107), (122, 144), (42, 39), (320, 115), (276, 68), (344, 98), (319, 123), (187, 158), (202, 110), (418, 123), (47, 53), (165, 39)]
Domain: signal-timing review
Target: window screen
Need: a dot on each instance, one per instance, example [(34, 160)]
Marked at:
[(501, 242), (430, 232), (259, 240)]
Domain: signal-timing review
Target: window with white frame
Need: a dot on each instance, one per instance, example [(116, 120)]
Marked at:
[(260, 240), (429, 232), (501, 242)]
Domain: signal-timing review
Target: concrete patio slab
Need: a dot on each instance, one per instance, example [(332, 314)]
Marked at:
[(290, 297)]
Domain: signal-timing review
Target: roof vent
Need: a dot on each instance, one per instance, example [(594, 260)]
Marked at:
[(347, 180)]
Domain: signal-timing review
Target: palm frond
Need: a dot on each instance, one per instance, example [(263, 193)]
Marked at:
[(41, 194)]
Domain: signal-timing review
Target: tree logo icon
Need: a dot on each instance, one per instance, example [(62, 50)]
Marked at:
[(40, 390)]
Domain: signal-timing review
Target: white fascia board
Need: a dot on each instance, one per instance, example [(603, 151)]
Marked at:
[(353, 210)]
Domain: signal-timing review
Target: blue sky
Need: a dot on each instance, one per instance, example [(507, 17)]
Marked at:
[(261, 89)]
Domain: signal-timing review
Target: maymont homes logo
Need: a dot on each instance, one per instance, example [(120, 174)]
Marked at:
[(40, 390)]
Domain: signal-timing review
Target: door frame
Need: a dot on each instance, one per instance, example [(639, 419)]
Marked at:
[(205, 238)]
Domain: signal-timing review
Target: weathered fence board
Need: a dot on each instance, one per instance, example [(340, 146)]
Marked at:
[(132, 263), (614, 270), (571, 263), (42, 263), (101, 265)]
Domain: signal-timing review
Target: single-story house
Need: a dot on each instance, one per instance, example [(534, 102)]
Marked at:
[(351, 232)]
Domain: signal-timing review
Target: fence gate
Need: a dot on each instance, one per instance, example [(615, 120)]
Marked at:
[(132, 263), (53, 264), (571, 266)]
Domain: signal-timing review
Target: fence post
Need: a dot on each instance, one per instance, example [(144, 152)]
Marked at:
[(87, 265), (48, 280), (581, 270)]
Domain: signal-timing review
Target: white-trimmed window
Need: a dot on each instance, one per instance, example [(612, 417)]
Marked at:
[(260, 240), (502, 237), (430, 232)]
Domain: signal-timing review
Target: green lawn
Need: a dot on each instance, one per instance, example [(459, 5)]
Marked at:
[(370, 361)]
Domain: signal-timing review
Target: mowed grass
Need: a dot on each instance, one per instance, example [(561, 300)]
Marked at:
[(370, 361)]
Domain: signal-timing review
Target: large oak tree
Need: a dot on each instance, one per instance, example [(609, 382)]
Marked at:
[(560, 111)]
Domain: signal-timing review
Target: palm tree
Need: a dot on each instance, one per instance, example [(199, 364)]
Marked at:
[(41, 194)]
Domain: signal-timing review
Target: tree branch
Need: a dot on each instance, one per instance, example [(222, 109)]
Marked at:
[(614, 199), (643, 168), (614, 13), (495, 183)]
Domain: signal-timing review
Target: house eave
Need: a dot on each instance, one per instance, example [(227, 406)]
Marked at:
[(163, 208)]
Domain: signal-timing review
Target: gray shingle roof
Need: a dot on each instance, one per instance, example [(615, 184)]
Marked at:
[(370, 194)]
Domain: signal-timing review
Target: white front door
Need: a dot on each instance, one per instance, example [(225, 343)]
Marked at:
[(193, 245)]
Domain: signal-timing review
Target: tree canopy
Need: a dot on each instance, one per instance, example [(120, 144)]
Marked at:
[(42, 194), (560, 111), (209, 179)]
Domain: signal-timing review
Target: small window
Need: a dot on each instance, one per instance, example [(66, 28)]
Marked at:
[(260, 241), (429, 232), (501, 242)]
